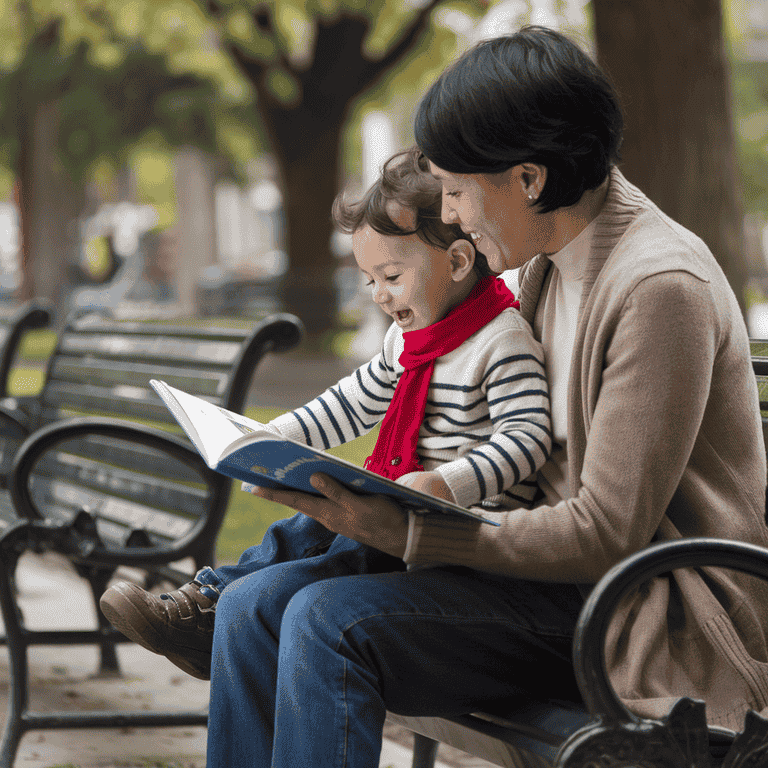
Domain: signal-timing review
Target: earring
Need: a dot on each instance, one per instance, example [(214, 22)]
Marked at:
[(531, 196)]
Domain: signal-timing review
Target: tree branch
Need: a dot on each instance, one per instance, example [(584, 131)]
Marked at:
[(413, 32), (262, 19)]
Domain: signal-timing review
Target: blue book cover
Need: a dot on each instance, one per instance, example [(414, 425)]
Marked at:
[(247, 450)]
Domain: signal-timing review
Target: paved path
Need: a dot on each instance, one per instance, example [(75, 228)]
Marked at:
[(290, 380)]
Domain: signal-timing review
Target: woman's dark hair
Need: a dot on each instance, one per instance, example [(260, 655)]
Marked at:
[(532, 96), (407, 182)]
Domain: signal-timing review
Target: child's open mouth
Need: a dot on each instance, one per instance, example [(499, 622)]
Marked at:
[(404, 316)]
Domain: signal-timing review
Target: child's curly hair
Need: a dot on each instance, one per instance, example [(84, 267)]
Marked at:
[(406, 181)]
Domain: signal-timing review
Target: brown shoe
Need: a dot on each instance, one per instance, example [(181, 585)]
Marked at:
[(177, 625)]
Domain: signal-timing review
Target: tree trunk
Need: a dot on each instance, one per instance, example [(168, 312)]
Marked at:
[(305, 134), (669, 65), (306, 141), (50, 205), (309, 188)]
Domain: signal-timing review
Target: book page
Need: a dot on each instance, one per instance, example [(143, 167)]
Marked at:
[(216, 428), (246, 450)]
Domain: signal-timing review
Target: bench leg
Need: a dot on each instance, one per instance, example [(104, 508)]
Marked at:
[(18, 684), (424, 751), (98, 580)]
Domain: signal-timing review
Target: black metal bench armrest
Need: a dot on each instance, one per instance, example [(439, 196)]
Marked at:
[(277, 333), (589, 640), (30, 315), (615, 724), (49, 436), (16, 415), (15, 426)]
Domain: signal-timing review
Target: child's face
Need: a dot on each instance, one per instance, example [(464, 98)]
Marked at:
[(411, 281)]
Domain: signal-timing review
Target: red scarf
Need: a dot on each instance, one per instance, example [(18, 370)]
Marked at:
[(394, 454)]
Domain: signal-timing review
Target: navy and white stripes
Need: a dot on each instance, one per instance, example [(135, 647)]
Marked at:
[(486, 426)]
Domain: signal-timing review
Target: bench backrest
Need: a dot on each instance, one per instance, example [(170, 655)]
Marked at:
[(102, 367), (141, 485)]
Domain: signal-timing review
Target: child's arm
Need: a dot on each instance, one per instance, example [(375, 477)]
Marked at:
[(349, 408), (428, 482), (516, 389)]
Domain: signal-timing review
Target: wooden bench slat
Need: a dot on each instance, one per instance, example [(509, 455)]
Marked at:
[(117, 453), (126, 402), (97, 322), (220, 353), (85, 370), (127, 514), (102, 480)]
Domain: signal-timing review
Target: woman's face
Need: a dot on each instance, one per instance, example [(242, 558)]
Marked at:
[(496, 211)]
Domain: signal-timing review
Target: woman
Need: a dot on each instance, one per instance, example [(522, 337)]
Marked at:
[(656, 420), (654, 402)]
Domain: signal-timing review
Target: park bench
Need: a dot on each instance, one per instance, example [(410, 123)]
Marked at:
[(104, 476), (598, 732)]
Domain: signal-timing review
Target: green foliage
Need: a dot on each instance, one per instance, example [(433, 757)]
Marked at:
[(281, 33), (400, 89), (750, 80), (137, 96), (155, 183), (123, 73), (119, 73)]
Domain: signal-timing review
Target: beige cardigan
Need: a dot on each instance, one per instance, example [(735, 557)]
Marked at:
[(664, 440)]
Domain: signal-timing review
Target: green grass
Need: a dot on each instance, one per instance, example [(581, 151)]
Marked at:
[(25, 381), (37, 345)]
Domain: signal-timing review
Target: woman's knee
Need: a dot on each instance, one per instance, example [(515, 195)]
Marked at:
[(315, 613)]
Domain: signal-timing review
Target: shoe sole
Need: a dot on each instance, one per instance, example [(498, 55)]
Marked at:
[(133, 623)]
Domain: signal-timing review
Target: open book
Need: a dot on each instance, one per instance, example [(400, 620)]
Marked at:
[(247, 450)]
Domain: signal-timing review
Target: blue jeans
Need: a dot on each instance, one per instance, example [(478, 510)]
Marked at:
[(317, 636)]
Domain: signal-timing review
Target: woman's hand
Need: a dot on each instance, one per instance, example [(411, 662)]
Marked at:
[(373, 520), (428, 482)]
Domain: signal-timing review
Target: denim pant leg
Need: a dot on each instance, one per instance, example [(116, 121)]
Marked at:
[(425, 642), (295, 538), (249, 613)]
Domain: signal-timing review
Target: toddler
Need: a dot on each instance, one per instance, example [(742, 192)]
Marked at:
[(459, 384)]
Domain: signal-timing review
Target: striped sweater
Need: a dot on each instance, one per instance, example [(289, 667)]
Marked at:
[(486, 428)]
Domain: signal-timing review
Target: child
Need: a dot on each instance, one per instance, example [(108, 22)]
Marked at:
[(459, 383), (460, 379)]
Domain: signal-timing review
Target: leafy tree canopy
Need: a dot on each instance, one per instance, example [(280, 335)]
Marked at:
[(118, 73), (172, 69)]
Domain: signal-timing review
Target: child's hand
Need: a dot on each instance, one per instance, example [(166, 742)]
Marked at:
[(428, 482)]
